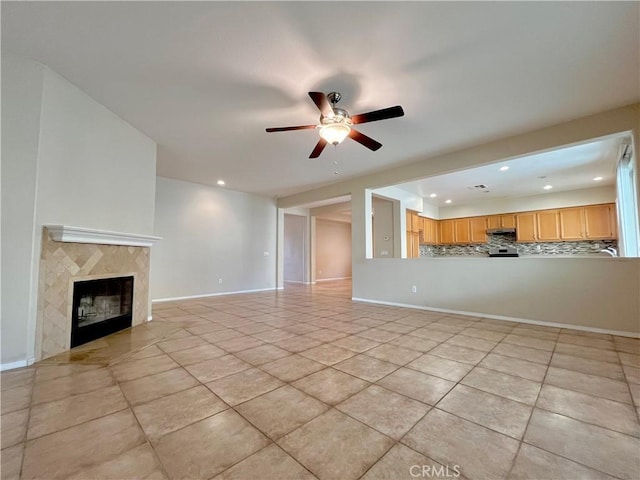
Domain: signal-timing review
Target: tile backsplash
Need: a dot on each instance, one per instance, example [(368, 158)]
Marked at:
[(585, 247)]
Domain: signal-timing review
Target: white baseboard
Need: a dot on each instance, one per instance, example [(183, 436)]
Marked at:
[(582, 328), (330, 279), (205, 295), (18, 364), (149, 318)]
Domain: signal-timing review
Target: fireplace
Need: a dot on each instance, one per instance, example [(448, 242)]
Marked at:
[(100, 307)]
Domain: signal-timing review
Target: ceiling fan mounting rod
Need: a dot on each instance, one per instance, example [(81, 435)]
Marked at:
[(334, 97)]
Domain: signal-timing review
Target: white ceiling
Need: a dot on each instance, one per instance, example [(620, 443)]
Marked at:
[(568, 168), (204, 79)]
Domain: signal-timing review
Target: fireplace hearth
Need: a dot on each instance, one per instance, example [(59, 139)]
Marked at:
[(101, 307)]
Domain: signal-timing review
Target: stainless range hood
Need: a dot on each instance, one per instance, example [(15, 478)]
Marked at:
[(500, 231)]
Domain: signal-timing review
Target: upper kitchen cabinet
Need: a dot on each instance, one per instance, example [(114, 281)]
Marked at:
[(600, 222), (478, 229), (501, 221), (593, 222), (461, 230), (542, 226), (429, 232), (548, 225), (446, 236), (526, 227), (572, 223)]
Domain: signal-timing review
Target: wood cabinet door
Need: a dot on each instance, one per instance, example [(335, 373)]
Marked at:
[(446, 232), (430, 234), (493, 221), (508, 221), (435, 229), (424, 232), (478, 228), (416, 223), (461, 230), (599, 222), (526, 227), (572, 223), (548, 225)]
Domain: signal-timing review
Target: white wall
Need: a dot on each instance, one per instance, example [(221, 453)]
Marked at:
[(94, 169), (571, 198), (597, 293), (333, 249), (295, 227), (211, 233), (68, 160), (21, 102)]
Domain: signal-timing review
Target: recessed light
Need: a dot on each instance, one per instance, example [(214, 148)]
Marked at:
[(433, 195), (447, 201), (548, 187), (221, 182), (597, 179), (504, 169)]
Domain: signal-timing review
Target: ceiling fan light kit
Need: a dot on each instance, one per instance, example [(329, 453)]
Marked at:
[(336, 123)]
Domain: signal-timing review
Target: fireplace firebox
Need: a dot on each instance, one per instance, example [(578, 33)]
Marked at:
[(101, 307)]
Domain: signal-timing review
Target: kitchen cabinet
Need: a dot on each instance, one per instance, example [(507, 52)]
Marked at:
[(592, 222), (461, 230), (501, 221), (526, 227), (413, 234), (542, 226), (600, 222), (429, 232), (548, 225), (478, 229), (446, 232), (572, 223)]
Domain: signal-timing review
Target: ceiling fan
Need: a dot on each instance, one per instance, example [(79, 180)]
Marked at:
[(336, 123)]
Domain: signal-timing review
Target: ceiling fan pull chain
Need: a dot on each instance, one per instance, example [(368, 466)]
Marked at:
[(335, 162)]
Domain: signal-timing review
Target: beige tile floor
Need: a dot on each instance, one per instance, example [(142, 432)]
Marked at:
[(306, 384)]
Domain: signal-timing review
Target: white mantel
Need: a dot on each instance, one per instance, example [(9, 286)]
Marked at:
[(66, 233)]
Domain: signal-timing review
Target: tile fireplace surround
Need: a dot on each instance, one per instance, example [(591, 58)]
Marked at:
[(80, 255)]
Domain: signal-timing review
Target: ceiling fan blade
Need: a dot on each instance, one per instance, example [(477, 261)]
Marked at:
[(362, 139), (385, 113), (286, 129), (318, 148), (320, 99)]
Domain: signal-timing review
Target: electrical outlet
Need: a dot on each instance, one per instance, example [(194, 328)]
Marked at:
[(414, 289), (266, 254), (220, 281)]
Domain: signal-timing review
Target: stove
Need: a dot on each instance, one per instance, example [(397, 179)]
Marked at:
[(503, 252)]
